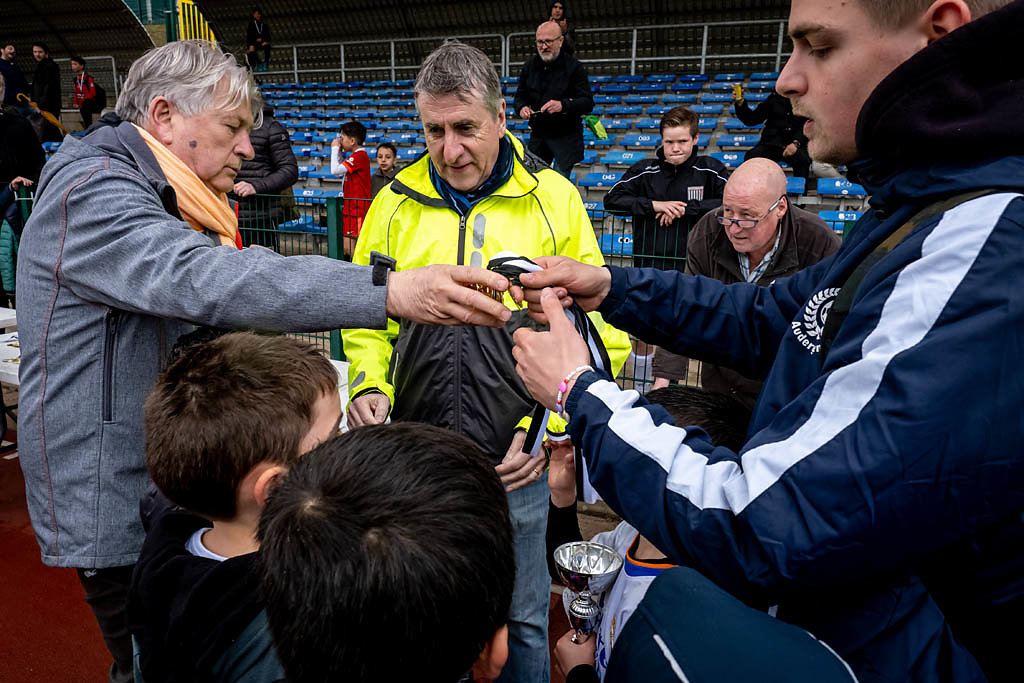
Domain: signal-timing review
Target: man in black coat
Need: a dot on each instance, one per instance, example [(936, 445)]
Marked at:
[(272, 169), (46, 89), (257, 37), (553, 94), (21, 159), (783, 136), (13, 77)]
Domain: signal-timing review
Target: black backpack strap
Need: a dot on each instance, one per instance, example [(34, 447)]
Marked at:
[(844, 300)]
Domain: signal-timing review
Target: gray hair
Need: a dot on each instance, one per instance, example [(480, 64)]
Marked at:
[(460, 70), (194, 76)]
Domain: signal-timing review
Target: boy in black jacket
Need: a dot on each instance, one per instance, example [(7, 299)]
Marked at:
[(667, 195), (224, 422)]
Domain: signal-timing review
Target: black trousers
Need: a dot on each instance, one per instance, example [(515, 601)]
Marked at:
[(106, 592), (801, 161), (566, 150)]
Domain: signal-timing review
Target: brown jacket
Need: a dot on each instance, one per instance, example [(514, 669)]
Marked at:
[(806, 239)]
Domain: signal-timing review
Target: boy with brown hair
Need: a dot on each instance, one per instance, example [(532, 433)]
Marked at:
[(223, 423)]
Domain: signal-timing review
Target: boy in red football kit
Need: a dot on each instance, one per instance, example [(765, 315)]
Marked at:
[(355, 170)]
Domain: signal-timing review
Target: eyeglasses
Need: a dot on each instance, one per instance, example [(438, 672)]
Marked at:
[(546, 43), (747, 223)]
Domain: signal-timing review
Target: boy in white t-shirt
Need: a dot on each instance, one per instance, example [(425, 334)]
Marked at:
[(224, 422), (725, 420)]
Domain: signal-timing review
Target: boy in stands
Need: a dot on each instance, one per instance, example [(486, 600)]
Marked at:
[(725, 421), (89, 98), (384, 557), (386, 167), (223, 424), (355, 170)]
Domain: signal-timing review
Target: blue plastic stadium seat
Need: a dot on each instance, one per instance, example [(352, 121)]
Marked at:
[(622, 158), (296, 137), (306, 169), (606, 179), (607, 99), (735, 76), (409, 153), (760, 85), (756, 96), (649, 87), (706, 109), (716, 97), (661, 78), (320, 153), (840, 187), (304, 223), (505, 80), (730, 159), (703, 139), (720, 86), (840, 215), (518, 124), (693, 77), (601, 79), (644, 123), (686, 86), (679, 99), (628, 78), (625, 110), (305, 196), (642, 140), (657, 110), (617, 124), (764, 76), (736, 124), (795, 185), (707, 124), (616, 244), (614, 87), (303, 151), (589, 157), (331, 125), (375, 136), (641, 99), (323, 174), (595, 210), (748, 140)]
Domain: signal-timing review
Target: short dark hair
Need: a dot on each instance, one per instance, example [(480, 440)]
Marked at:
[(225, 406), (386, 549), (894, 14), (354, 130), (43, 45), (679, 116), (388, 145), (78, 59), (724, 418)]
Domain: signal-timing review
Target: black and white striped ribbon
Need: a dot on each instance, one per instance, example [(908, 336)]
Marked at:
[(512, 266)]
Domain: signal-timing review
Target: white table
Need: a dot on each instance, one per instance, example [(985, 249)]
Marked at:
[(8, 319)]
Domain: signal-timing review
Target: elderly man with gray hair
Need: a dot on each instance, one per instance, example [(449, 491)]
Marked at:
[(131, 245), (475, 195)]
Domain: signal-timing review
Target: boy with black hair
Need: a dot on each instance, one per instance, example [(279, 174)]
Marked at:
[(223, 423), (387, 154), (724, 420), (355, 171), (384, 556)]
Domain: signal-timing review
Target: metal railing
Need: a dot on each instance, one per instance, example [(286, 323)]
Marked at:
[(774, 30), (402, 57)]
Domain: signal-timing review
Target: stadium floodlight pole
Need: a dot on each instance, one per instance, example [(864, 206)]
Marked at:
[(778, 48)]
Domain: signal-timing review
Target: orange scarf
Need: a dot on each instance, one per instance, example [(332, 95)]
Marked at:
[(203, 208)]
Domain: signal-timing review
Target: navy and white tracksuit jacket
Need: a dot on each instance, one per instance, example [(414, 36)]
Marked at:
[(879, 498)]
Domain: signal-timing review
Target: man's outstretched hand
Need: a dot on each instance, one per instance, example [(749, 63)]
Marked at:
[(543, 359), (443, 295), (570, 280)]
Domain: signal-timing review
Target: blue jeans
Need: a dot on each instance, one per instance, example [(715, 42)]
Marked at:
[(529, 659)]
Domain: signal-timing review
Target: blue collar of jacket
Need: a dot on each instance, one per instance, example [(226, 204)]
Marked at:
[(415, 181), (462, 202)]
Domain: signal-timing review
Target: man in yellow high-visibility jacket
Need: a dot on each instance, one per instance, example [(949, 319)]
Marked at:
[(474, 195)]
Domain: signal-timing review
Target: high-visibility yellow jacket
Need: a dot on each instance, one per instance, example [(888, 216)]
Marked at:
[(463, 378)]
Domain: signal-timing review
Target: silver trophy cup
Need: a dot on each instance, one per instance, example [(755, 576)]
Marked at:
[(588, 569)]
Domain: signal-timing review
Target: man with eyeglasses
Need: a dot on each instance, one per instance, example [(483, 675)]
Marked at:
[(554, 95), (756, 236)]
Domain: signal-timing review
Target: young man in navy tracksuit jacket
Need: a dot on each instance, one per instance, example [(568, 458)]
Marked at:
[(878, 501)]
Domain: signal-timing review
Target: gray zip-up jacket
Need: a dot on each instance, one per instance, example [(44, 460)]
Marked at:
[(109, 277)]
